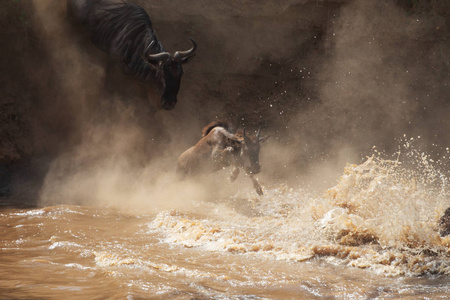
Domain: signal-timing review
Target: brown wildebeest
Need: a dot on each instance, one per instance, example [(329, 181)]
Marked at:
[(219, 148)]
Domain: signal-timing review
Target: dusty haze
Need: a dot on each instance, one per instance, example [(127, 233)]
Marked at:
[(328, 80)]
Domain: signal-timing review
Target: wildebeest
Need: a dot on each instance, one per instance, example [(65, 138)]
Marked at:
[(125, 32), (219, 148), (444, 223)]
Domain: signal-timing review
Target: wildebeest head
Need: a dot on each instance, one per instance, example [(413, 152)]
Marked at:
[(250, 152), (169, 72)]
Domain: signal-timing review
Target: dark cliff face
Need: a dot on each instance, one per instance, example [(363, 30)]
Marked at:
[(247, 56), (314, 74)]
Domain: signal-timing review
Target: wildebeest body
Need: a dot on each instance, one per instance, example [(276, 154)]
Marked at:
[(212, 153), (219, 149), (125, 32)]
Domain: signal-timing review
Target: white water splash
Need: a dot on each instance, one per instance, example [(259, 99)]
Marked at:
[(382, 215)]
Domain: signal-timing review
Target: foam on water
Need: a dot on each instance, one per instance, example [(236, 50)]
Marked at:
[(381, 215)]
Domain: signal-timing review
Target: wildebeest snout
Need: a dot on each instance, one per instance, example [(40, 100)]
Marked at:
[(168, 105)]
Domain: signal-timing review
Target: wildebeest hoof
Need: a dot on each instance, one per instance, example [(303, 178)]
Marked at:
[(259, 191)]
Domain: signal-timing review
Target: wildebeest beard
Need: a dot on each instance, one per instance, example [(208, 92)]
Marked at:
[(125, 32)]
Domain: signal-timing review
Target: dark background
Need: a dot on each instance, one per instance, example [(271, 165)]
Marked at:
[(328, 80)]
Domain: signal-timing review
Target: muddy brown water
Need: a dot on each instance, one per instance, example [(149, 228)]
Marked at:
[(371, 236)]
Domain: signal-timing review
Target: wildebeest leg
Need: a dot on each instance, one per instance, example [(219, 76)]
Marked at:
[(256, 185), (221, 157), (234, 174)]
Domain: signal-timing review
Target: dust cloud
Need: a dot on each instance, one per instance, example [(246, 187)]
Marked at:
[(385, 75), (109, 149), (371, 74), (120, 153)]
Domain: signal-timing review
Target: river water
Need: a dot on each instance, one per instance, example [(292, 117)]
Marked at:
[(372, 235)]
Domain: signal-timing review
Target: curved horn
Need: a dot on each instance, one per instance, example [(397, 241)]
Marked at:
[(184, 55), (158, 56), (155, 57)]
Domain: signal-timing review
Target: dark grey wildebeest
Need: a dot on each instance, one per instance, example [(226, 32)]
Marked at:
[(444, 223), (219, 148), (125, 32)]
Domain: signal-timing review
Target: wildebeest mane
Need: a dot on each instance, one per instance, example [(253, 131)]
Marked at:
[(125, 31), (221, 123)]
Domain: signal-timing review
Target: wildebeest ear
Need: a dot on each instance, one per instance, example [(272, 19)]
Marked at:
[(263, 139), (246, 138)]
